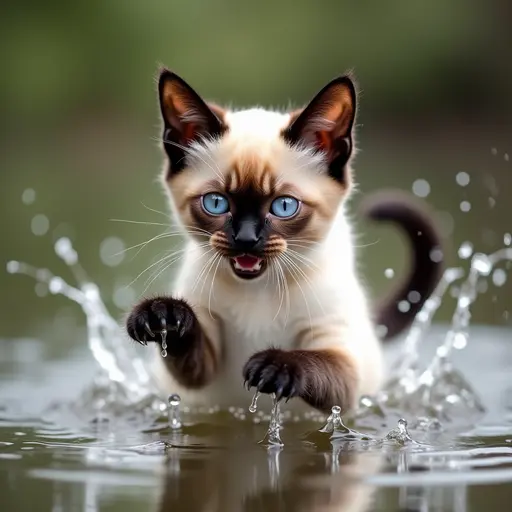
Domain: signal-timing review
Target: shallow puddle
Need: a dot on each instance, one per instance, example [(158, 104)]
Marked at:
[(56, 457)]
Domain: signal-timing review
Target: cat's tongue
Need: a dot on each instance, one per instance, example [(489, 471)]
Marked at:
[(247, 262)]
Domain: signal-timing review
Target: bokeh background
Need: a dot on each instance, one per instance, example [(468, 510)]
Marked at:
[(79, 122)]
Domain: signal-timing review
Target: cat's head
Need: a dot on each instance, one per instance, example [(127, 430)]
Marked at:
[(257, 186)]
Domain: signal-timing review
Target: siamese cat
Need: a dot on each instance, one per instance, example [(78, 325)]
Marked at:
[(269, 293)]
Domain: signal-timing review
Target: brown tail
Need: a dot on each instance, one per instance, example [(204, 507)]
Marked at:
[(425, 270)]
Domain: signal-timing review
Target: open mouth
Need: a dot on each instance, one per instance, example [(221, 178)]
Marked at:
[(247, 266)]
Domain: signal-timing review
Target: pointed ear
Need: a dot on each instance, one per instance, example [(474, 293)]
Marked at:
[(187, 118), (326, 124)]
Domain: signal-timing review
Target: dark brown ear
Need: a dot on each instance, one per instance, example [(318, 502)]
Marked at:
[(326, 124), (187, 118)]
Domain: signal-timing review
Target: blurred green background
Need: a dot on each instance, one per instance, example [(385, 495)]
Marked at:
[(80, 118)]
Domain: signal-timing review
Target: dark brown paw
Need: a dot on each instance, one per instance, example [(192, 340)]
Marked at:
[(151, 317), (275, 371)]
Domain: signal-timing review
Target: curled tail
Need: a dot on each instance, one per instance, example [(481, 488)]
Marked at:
[(425, 269)]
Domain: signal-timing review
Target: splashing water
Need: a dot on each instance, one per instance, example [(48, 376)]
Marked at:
[(335, 423), (174, 411), (440, 390), (401, 434), (273, 435), (254, 404), (122, 378), (437, 391), (408, 365)]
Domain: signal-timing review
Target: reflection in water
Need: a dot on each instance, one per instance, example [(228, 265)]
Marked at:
[(228, 482), (417, 497)]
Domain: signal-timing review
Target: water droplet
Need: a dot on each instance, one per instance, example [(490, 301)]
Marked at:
[(13, 267), (56, 285), (28, 196), (414, 297), (163, 334), (366, 401), (494, 151), (40, 225), (421, 188), (465, 250), (465, 206), (499, 277), (334, 425), (174, 400), (460, 341), (389, 273), (506, 157), (111, 251), (441, 351), (254, 404), (482, 264), (91, 291), (436, 255), (64, 250), (462, 179), (404, 306), (174, 411), (507, 239)]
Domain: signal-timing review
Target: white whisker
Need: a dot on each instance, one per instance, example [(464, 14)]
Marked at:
[(211, 286)]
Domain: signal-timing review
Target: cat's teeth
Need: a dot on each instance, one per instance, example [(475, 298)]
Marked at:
[(255, 268)]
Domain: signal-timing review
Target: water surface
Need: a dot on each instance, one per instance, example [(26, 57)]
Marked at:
[(57, 456)]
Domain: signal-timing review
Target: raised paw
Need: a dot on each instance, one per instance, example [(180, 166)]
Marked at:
[(153, 320), (275, 371)]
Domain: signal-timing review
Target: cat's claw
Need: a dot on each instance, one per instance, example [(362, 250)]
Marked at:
[(153, 319), (276, 372), (144, 343), (148, 329)]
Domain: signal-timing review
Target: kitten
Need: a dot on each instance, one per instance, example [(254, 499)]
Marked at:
[(268, 292)]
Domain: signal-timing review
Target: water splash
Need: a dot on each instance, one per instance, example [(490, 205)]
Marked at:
[(400, 434), (405, 377), (174, 411), (122, 378), (273, 435), (439, 390), (339, 431), (335, 422)]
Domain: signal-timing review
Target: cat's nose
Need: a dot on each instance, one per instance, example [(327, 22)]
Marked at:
[(246, 238)]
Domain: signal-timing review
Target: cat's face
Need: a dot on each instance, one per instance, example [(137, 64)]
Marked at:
[(258, 188)]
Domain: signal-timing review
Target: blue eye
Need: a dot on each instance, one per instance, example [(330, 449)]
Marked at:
[(284, 206), (215, 204)]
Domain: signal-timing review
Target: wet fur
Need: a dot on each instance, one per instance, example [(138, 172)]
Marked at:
[(303, 328)]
